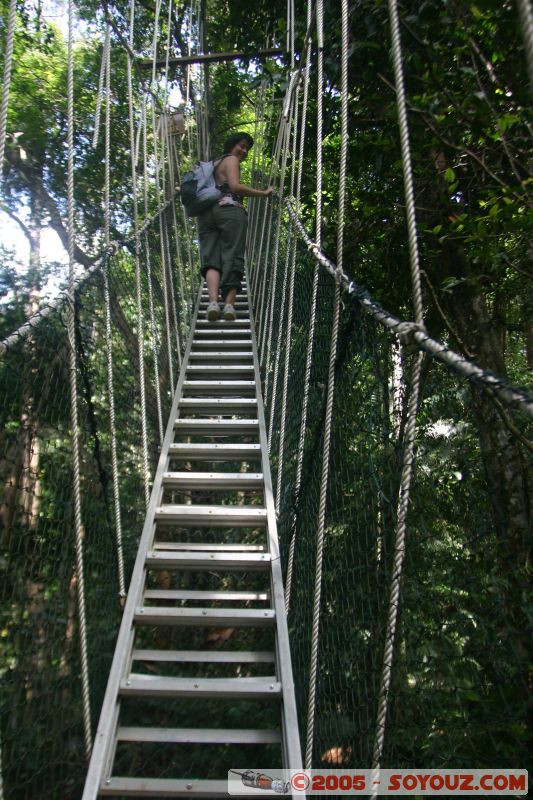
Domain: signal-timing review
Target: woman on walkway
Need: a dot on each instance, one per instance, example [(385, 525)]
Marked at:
[(222, 229)]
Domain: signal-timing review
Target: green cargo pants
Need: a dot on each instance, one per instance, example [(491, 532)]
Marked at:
[(222, 232)]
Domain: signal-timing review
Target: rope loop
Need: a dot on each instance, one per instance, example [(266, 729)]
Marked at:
[(406, 332)]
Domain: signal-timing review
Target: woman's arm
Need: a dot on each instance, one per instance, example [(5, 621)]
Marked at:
[(231, 171)]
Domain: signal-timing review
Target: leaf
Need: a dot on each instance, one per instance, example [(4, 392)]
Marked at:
[(449, 175)]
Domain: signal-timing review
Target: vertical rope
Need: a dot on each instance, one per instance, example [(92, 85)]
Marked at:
[(163, 270), (107, 303), (526, 20), (311, 707), (6, 86), (140, 326), (268, 327), (290, 246), (406, 161), (78, 524), (100, 93), (398, 560), (153, 326), (314, 294), (288, 344), (158, 186), (410, 428)]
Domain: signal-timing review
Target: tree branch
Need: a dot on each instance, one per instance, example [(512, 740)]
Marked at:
[(37, 188), (25, 229)]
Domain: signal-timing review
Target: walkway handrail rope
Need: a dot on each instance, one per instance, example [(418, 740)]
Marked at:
[(408, 330), (140, 326), (75, 449), (288, 249), (303, 128), (168, 292), (314, 294), (313, 670), (165, 148), (153, 327), (410, 428), (260, 294), (525, 13), (6, 86), (269, 313), (106, 60), (101, 80)]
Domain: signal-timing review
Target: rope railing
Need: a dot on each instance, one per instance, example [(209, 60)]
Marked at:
[(410, 331)]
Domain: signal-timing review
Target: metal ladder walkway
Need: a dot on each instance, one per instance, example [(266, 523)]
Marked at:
[(204, 634)]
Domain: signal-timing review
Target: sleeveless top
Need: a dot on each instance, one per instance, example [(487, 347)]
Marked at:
[(228, 198)]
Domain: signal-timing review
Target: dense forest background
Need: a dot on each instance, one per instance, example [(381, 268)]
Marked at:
[(461, 692)]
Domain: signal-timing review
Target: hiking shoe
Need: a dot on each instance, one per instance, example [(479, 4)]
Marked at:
[(213, 311), (229, 313)]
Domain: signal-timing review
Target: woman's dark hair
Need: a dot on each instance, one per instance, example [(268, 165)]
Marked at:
[(235, 138)]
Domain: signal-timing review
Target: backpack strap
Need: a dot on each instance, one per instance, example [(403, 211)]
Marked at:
[(217, 165)]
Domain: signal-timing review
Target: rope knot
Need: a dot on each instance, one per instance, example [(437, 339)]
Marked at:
[(406, 331)]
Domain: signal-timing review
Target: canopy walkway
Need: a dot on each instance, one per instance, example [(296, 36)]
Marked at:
[(268, 543)]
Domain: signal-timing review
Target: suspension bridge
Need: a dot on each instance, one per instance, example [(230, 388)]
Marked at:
[(218, 537)]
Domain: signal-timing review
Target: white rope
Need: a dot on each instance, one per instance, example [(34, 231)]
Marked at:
[(147, 254), (268, 328), (314, 294), (6, 86), (184, 316), (526, 20), (165, 280), (289, 247), (311, 706), (101, 78), (406, 162), (397, 570), (107, 304), (292, 239), (410, 430), (138, 291), (163, 270), (78, 524)]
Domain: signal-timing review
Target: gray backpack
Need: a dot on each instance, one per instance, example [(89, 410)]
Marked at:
[(198, 190)]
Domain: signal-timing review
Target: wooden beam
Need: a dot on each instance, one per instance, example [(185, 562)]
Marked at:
[(206, 58)]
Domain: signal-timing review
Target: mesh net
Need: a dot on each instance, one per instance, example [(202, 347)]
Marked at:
[(459, 689), (41, 710)]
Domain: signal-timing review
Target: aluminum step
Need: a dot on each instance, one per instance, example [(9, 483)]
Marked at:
[(199, 735), (211, 516), (220, 355), (205, 656), (214, 480), (212, 371), (216, 688), (226, 332), (168, 787), (202, 617), (205, 596), (215, 452), (218, 405), (216, 427), (234, 388), (221, 344), (208, 547), (167, 559)]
